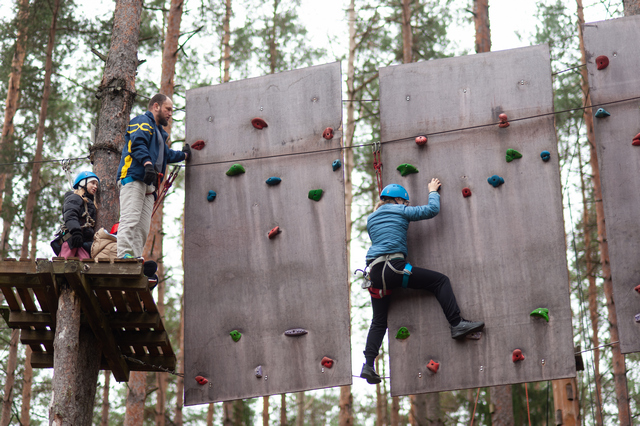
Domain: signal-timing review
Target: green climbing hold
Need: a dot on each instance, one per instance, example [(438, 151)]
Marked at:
[(512, 154), (235, 335), (402, 333), (407, 169), (315, 194), (236, 169), (541, 312)]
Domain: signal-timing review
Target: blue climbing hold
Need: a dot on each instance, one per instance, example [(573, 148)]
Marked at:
[(545, 155), (211, 195), (336, 165), (602, 113), (495, 181), (273, 181)]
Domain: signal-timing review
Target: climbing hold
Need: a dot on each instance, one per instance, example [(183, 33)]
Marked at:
[(545, 155), (201, 380), (637, 317), (636, 140), (406, 169), (315, 194), (259, 371), (275, 231), (512, 154), (421, 140), (273, 181), (433, 366), (402, 333), (466, 192), (234, 170), (541, 312), (602, 62), (295, 332), (336, 165), (328, 133), (503, 120), (474, 336), (259, 123), (517, 356), (327, 362), (197, 145), (211, 195), (602, 113), (495, 181), (637, 288), (235, 335)]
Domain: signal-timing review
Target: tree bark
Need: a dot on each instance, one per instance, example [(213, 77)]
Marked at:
[(265, 410), (178, 420), (300, 409), (273, 50), (418, 411), (502, 401), (407, 34), (104, 418), (12, 360), (433, 409), (631, 7), (34, 188), (27, 381), (226, 55), (210, 412), (227, 413), (395, 411), (13, 95), (566, 402), (481, 21), (283, 410)]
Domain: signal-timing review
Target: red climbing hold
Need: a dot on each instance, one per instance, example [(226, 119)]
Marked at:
[(259, 123), (198, 145), (421, 140), (636, 140), (328, 133), (517, 355), (466, 192), (433, 366), (602, 62), (275, 231), (637, 288), (327, 362), (201, 380), (503, 120)]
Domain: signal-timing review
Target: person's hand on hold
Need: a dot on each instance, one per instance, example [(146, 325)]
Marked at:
[(434, 185)]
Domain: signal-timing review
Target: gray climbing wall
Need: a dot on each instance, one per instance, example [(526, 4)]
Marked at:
[(236, 278), (503, 248), (619, 160)]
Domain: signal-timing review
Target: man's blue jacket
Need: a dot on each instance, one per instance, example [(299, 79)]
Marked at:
[(141, 145)]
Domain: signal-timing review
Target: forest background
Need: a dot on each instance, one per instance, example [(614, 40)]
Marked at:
[(221, 41)]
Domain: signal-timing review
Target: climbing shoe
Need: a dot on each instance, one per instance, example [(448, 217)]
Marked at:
[(465, 327), (128, 256), (370, 374)]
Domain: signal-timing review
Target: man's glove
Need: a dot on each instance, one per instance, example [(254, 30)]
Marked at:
[(150, 175), (76, 239), (187, 150)]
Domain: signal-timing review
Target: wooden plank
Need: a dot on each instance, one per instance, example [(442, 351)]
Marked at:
[(97, 320), (618, 159), (45, 360), (134, 319), (44, 270), (502, 248), (27, 299), (148, 301), (11, 299), (29, 319), (105, 301), (12, 267), (19, 281), (131, 269), (118, 283), (32, 337), (155, 338), (121, 306), (133, 301)]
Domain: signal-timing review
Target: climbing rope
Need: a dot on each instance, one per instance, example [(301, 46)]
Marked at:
[(474, 408), (377, 164), (157, 367), (165, 188), (526, 392)]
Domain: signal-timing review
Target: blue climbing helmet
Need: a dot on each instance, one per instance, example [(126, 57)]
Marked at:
[(86, 176), (394, 190)]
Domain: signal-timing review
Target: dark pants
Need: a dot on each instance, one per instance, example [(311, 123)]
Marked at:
[(420, 279)]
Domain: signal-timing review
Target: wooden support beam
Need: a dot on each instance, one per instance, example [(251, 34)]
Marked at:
[(134, 319), (128, 269), (146, 338), (139, 283), (30, 319), (36, 337), (10, 297), (19, 281), (45, 360), (96, 319), (13, 267)]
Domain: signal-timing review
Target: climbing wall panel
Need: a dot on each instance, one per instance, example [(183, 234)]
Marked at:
[(236, 277), (502, 247), (619, 158)]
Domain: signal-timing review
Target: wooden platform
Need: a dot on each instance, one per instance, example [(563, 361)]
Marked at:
[(116, 303)]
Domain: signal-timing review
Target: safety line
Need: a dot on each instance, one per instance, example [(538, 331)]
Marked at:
[(474, 408), (598, 347)]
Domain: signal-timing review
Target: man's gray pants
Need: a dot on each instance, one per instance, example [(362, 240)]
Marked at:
[(135, 217)]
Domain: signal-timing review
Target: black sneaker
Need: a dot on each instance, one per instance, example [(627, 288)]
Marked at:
[(149, 268), (465, 327), (370, 374)]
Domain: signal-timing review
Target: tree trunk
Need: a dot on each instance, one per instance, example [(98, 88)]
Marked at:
[(180, 366), (12, 360), (283, 410), (631, 7), (6, 224), (34, 188), (300, 409), (619, 368), (481, 21), (265, 410), (7, 154), (273, 51), (227, 413), (566, 402), (395, 411), (407, 34), (226, 55), (433, 409), (502, 402), (104, 418), (210, 412), (27, 381)]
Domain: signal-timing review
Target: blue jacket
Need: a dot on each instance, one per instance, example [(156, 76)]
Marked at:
[(388, 226), (141, 145)]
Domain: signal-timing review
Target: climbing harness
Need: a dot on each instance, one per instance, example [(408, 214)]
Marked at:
[(386, 258), (165, 188), (377, 164)]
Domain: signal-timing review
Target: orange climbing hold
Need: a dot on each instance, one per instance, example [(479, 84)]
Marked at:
[(275, 231), (602, 62), (259, 123), (636, 140), (198, 145), (421, 140), (503, 120), (517, 356), (327, 362), (433, 366), (201, 380), (328, 133)]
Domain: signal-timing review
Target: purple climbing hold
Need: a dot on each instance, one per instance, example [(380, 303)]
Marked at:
[(296, 332)]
